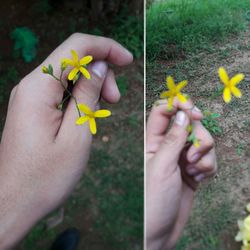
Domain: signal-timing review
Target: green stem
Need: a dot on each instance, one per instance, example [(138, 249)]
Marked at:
[(70, 94)]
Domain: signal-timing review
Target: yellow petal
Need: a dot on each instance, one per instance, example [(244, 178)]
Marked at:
[(236, 92), (85, 109), (223, 75), (248, 207), (227, 95), (181, 85), (170, 103), (74, 55), (237, 79), (247, 223), (170, 83), (73, 73), (181, 98), (82, 120), (85, 72), (102, 113), (67, 61), (92, 126), (165, 94), (85, 60)]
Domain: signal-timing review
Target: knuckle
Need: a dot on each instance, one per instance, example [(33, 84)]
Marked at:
[(91, 90), (76, 36)]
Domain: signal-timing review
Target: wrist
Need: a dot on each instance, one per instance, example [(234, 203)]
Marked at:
[(17, 215)]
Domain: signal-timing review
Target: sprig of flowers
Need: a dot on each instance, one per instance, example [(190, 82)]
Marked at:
[(230, 88), (244, 231), (79, 67)]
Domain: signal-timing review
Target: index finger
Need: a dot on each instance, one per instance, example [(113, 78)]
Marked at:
[(160, 118)]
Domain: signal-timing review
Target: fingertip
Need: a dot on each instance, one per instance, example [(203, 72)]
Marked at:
[(196, 113), (110, 91)]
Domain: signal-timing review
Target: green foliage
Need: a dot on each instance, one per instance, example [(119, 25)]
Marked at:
[(187, 26), (128, 30), (25, 41), (42, 7), (210, 122), (122, 83)]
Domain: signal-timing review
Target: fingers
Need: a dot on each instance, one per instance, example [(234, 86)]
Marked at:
[(206, 143), (204, 168), (101, 48), (174, 141), (86, 92), (202, 160), (47, 90), (110, 92), (160, 118)]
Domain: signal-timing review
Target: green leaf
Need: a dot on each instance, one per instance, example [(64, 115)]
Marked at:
[(25, 41)]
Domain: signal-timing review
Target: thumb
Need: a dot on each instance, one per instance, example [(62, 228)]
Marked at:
[(174, 141), (86, 92)]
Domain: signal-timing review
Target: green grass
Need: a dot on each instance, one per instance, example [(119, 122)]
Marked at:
[(210, 122), (190, 25)]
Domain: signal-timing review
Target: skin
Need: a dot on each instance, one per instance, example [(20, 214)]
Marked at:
[(170, 184), (43, 153)]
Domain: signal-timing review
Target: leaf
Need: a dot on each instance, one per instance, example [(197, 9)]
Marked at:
[(25, 41)]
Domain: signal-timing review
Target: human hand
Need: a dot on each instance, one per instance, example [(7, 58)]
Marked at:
[(173, 171), (42, 152)]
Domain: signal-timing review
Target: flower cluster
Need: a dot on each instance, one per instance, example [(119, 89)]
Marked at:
[(79, 66), (244, 231), (174, 91)]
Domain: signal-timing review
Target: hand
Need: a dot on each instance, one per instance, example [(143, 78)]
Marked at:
[(173, 170), (42, 152)]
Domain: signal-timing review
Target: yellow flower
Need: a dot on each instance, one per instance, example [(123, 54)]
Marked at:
[(45, 70), (230, 84), (90, 116), (248, 207), (196, 143), (78, 65), (174, 91)]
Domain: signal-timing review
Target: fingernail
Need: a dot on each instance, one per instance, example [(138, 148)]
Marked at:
[(192, 171), (180, 118), (199, 177), (197, 110), (195, 157), (99, 68)]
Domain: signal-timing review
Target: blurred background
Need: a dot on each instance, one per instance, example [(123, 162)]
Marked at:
[(191, 39), (107, 205)]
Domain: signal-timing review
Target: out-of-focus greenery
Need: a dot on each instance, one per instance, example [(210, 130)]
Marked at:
[(189, 25), (25, 41)]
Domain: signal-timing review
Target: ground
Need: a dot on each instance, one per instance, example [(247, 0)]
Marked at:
[(220, 201), (107, 204)]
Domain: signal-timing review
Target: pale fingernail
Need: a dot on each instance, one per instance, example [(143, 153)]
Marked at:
[(199, 177), (195, 157), (180, 118), (99, 68), (192, 171), (197, 110)]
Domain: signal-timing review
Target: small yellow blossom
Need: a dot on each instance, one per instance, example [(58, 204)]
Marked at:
[(174, 91), (230, 84), (196, 143), (90, 116), (248, 207), (45, 70), (78, 65)]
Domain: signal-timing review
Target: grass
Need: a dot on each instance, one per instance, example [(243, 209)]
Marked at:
[(193, 47), (185, 26)]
